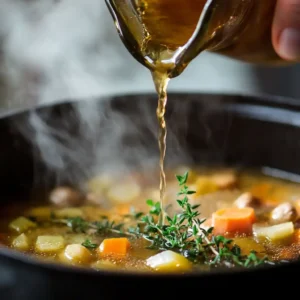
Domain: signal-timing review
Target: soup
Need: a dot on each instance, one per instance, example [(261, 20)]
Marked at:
[(214, 218)]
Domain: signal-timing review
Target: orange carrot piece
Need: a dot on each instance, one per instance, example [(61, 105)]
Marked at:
[(233, 220), (114, 246)]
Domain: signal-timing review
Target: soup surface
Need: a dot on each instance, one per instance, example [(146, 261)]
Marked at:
[(214, 218)]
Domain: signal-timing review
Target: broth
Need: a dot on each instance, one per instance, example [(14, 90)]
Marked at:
[(246, 214)]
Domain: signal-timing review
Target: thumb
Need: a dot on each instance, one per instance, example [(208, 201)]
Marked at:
[(286, 29)]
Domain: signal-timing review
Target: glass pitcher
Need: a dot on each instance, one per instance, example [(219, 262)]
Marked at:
[(171, 33)]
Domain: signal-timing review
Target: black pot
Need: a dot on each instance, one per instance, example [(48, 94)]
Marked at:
[(50, 145)]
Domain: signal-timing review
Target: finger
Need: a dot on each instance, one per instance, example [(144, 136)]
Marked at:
[(286, 29)]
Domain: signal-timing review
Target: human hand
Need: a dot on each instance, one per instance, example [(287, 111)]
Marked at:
[(286, 29)]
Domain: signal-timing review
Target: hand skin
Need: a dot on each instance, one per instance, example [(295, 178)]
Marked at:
[(286, 29)]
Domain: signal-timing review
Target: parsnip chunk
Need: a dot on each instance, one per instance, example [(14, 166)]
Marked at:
[(77, 253), (169, 261), (280, 233), (21, 225), (49, 243), (21, 242)]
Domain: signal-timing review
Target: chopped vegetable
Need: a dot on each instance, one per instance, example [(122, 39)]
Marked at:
[(77, 253), (284, 212), (21, 225), (49, 243), (247, 200), (281, 233), (65, 196), (233, 220), (71, 212), (204, 185), (169, 261), (21, 242), (114, 246)]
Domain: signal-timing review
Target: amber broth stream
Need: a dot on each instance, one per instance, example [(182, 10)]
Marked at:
[(166, 29)]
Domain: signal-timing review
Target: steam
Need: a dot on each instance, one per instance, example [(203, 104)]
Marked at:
[(92, 137)]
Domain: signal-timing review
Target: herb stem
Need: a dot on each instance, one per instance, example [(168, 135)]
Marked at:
[(90, 225), (213, 250)]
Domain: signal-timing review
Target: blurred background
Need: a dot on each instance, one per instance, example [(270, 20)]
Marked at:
[(51, 50)]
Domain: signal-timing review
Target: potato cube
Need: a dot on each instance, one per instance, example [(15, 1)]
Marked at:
[(21, 242), (204, 185), (49, 243), (77, 253), (169, 261), (21, 225), (281, 233)]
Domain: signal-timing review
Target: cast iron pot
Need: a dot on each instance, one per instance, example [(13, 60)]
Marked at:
[(60, 144)]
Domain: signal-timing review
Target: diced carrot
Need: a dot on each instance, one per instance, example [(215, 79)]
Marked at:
[(114, 246), (233, 220)]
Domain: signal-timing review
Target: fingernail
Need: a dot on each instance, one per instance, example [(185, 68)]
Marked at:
[(289, 44)]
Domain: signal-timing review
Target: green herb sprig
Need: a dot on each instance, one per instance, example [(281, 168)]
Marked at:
[(80, 225), (185, 234)]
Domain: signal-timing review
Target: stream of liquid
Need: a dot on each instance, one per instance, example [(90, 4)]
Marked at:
[(161, 81), (166, 29)]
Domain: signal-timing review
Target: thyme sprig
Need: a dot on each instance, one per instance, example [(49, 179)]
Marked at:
[(80, 225), (184, 233)]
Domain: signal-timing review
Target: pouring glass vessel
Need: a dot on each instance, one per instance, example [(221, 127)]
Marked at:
[(169, 34)]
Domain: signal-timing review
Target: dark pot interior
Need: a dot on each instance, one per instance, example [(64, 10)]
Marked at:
[(67, 143)]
